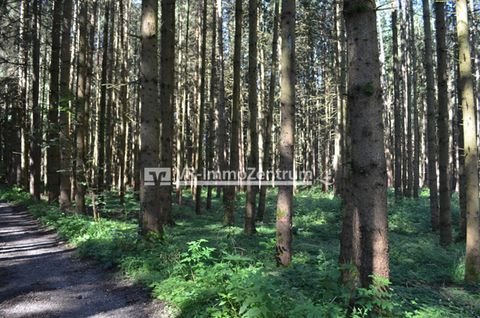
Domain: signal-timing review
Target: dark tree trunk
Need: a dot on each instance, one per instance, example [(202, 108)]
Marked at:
[(53, 151), (36, 127), (65, 99), (252, 190), (431, 119), (443, 126), (368, 186)]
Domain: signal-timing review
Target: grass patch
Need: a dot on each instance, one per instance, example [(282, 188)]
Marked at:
[(203, 269)]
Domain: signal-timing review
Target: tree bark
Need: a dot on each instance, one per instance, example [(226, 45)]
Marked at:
[(443, 126), (229, 199), (368, 186), (201, 120), (287, 132), (252, 190), (431, 119), (80, 129), (124, 57), (397, 108), (65, 98), (151, 218), (415, 104), (100, 138), (53, 151), (36, 127), (472, 255), (220, 113), (212, 107), (267, 157), (167, 84)]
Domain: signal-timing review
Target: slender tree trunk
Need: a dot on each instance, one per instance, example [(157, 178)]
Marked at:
[(53, 151), (182, 129), (339, 150), (220, 112), (252, 190), (397, 107), (431, 119), (201, 120), (65, 98), (90, 95), (36, 127), (100, 138), (472, 256), (82, 100), (25, 118), (443, 126), (267, 160), (409, 99), (167, 84), (415, 105), (111, 100), (124, 79), (229, 198), (211, 108), (368, 187), (287, 132), (151, 217), (462, 197)]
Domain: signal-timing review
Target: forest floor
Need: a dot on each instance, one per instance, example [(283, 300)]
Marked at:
[(41, 277), (201, 268)]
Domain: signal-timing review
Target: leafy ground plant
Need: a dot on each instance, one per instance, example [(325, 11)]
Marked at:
[(204, 269)]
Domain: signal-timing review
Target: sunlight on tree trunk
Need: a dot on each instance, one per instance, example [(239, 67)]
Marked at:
[(472, 256), (287, 131)]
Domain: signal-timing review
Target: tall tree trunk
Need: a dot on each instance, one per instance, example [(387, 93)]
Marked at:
[(91, 95), (267, 145), (167, 84), (53, 151), (287, 132), (368, 186), (472, 256), (229, 198), (431, 119), (443, 126), (339, 150), (252, 190), (183, 119), (65, 98), (220, 112), (124, 78), (100, 139), (397, 107), (462, 197), (111, 99), (151, 218), (350, 235), (407, 101), (212, 108), (36, 127), (415, 105), (24, 98), (201, 121), (82, 100)]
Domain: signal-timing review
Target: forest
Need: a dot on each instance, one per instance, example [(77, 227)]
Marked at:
[(257, 158)]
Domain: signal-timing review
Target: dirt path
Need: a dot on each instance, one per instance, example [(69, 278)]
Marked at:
[(41, 277)]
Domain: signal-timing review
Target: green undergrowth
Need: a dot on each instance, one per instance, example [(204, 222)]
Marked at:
[(203, 269)]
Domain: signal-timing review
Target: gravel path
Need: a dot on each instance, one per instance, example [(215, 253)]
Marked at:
[(41, 277)]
